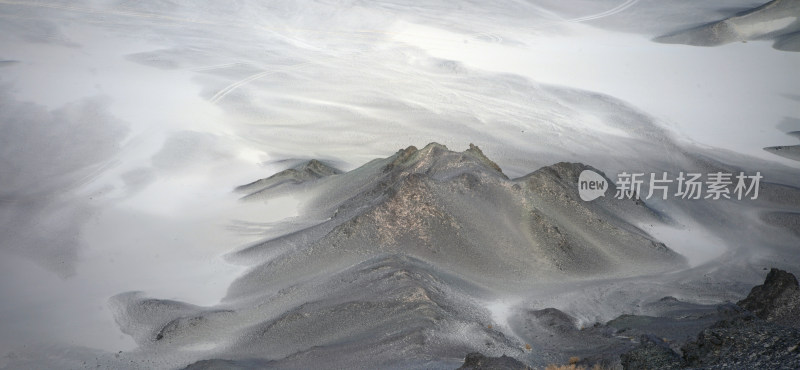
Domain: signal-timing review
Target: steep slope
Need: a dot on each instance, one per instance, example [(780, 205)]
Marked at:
[(458, 211), (390, 311), (400, 273)]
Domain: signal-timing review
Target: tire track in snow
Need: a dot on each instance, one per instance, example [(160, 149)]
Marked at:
[(620, 8), (493, 37), (230, 88)]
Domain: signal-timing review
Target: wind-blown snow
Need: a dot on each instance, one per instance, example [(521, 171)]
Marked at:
[(125, 127)]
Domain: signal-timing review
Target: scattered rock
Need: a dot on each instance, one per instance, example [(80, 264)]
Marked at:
[(760, 333), (477, 361), (746, 342), (651, 353)]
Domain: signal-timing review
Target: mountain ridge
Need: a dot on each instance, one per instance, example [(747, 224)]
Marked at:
[(412, 247), (776, 20)]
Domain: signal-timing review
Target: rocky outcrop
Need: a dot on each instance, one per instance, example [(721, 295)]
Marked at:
[(761, 334), (777, 300)]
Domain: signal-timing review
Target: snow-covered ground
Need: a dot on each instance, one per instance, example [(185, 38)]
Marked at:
[(124, 126)]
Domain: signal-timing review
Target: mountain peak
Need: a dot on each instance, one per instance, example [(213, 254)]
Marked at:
[(436, 158), (318, 168), (478, 153)]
